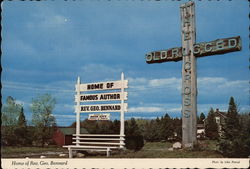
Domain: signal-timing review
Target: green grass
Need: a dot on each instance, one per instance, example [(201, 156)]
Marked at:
[(157, 145), (206, 149), (11, 151)]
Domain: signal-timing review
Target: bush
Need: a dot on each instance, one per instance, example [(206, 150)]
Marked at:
[(134, 142)]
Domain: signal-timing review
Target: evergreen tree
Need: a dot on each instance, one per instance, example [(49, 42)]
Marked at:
[(21, 131), (21, 120), (152, 131), (232, 126), (167, 128), (116, 125), (201, 118), (134, 139), (132, 128), (211, 127), (244, 136), (177, 123), (232, 141)]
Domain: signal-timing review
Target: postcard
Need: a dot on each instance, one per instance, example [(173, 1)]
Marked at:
[(125, 84)]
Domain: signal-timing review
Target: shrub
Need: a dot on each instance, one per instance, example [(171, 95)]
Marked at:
[(134, 142)]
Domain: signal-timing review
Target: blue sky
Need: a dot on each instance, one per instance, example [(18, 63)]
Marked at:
[(47, 44)]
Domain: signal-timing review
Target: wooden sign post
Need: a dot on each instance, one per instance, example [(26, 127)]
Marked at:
[(101, 97), (188, 53)]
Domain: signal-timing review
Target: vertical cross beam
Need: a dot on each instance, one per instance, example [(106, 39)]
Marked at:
[(189, 79), (122, 112), (78, 111)]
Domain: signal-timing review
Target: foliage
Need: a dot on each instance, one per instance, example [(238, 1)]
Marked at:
[(211, 127), (166, 128), (21, 132), (201, 118), (42, 117), (133, 139), (161, 129), (158, 129), (151, 131), (10, 113), (235, 140), (177, 123), (100, 127)]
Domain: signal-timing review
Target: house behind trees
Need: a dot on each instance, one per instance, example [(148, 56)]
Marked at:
[(220, 119)]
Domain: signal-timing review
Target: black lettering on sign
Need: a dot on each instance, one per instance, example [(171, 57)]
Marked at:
[(85, 108), (110, 85), (89, 97), (111, 107), (95, 86), (110, 96), (94, 108)]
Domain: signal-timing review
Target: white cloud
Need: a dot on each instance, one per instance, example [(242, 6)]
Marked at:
[(146, 84), (209, 86), (214, 85)]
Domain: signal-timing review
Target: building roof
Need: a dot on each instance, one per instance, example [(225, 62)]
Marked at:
[(221, 114), (70, 131)]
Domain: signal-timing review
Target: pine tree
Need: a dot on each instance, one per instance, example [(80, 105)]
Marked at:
[(116, 125), (230, 143), (166, 128), (245, 136), (232, 126), (21, 131), (21, 119), (134, 139), (211, 127), (201, 118), (177, 123)]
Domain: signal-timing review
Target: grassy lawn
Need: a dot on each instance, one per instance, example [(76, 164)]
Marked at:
[(22, 152), (207, 149)]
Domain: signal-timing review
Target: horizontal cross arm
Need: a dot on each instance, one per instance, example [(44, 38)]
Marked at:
[(218, 46)]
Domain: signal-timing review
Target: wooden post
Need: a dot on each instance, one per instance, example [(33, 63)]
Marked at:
[(108, 152), (188, 53), (122, 112), (78, 111), (70, 152), (189, 79)]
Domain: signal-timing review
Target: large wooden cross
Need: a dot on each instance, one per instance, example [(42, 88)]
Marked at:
[(188, 53)]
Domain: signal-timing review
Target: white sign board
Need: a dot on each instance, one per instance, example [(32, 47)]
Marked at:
[(99, 116), (111, 85), (102, 108), (101, 97)]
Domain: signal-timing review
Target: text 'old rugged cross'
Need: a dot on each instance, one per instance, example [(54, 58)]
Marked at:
[(188, 53)]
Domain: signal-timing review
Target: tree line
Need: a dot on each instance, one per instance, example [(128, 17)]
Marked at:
[(233, 135), (14, 129)]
